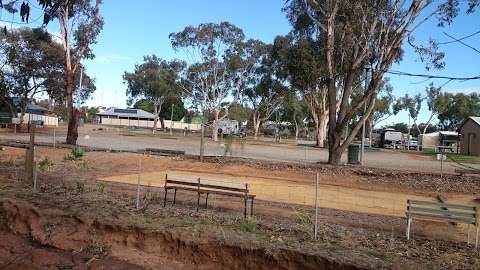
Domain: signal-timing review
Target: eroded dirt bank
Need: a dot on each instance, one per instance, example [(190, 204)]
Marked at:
[(73, 242)]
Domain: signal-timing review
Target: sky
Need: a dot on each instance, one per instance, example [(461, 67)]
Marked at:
[(134, 30)]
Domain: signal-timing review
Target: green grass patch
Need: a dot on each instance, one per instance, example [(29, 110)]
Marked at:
[(454, 157)]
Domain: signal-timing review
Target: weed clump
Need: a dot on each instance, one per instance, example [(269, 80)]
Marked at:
[(76, 153)]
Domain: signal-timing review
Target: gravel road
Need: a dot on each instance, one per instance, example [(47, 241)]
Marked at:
[(265, 151)]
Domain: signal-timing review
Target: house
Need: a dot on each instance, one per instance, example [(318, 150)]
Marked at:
[(137, 118), (37, 113), (470, 136), (125, 117)]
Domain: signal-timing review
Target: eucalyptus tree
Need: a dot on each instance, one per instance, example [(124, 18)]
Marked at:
[(299, 57), (359, 34), (156, 81), (263, 90), (436, 104), (219, 64), (80, 23), (31, 63), (411, 104)]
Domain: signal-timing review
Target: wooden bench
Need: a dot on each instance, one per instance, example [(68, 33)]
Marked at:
[(467, 171), (205, 186), (438, 211)]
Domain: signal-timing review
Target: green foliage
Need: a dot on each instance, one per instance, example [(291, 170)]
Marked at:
[(238, 112), (249, 226), (154, 80), (179, 110), (75, 154), (457, 107), (80, 186), (45, 164)]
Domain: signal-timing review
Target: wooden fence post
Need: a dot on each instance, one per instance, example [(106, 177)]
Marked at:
[(29, 155)]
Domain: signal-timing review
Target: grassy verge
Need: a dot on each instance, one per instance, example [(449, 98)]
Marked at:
[(457, 158)]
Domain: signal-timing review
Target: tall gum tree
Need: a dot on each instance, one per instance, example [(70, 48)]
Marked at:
[(155, 80), (213, 74), (357, 34), (303, 68), (80, 24)]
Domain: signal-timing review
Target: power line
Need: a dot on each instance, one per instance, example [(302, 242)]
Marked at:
[(402, 73), (462, 38), (461, 42)]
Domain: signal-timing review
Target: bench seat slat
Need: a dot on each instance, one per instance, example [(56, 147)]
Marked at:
[(441, 212), (442, 218), (447, 205), (241, 195)]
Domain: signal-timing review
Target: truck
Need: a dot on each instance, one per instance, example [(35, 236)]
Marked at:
[(389, 138), (229, 127)]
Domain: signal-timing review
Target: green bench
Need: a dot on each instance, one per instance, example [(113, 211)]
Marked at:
[(437, 211), (467, 171)]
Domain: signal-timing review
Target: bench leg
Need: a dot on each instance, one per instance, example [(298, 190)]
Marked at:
[(476, 237), (175, 196), (409, 225), (245, 211), (198, 200), (251, 207), (468, 234), (206, 202), (165, 198)]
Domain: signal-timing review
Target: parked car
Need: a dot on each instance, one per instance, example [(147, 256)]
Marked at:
[(413, 144)]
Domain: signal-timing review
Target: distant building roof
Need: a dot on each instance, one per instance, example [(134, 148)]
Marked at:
[(475, 119), (39, 110), (129, 113)]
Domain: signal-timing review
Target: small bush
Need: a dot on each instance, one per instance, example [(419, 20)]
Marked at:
[(80, 187), (249, 226), (45, 165), (78, 152), (75, 154)]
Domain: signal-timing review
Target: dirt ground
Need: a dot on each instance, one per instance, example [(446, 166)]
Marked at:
[(360, 208)]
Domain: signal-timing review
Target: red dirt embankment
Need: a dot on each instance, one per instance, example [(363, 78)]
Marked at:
[(116, 246)]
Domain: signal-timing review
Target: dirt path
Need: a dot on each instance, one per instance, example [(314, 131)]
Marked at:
[(283, 190)]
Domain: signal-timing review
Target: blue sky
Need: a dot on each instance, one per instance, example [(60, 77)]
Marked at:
[(134, 30)]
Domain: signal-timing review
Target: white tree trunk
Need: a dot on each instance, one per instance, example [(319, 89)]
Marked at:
[(215, 126), (322, 130), (296, 128), (256, 126)]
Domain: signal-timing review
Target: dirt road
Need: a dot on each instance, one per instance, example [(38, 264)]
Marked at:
[(283, 152)]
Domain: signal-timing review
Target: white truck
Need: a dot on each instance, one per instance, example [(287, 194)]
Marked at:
[(228, 127), (390, 138)]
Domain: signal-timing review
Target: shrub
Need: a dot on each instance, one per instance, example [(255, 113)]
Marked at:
[(45, 164), (75, 154)]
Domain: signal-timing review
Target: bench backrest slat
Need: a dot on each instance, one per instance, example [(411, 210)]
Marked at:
[(456, 212), (206, 184), (439, 204)]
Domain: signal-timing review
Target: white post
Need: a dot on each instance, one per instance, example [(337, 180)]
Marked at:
[(441, 162), (316, 206), (409, 224), (138, 183), (54, 138), (34, 176)]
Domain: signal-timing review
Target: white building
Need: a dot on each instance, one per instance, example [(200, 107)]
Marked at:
[(138, 118)]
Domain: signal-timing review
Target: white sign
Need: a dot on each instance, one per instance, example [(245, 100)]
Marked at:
[(441, 157)]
